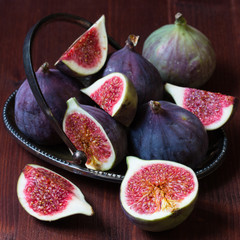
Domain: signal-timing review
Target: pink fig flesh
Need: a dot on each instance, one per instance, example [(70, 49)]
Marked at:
[(49, 196), (96, 133), (158, 195), (109, 94), (116, 95), (87, 55), (87, 51), (87, 137), (212, 108), (51, 202)]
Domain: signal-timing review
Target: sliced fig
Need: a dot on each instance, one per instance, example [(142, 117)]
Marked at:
[(48, 196), (144, 76), (57, 88), (163, 130), (96, 133), (116, 95), (88, 53), (213, 109), (158, 195)]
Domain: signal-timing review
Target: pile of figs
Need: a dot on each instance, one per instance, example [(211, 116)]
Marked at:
[(125, 112)]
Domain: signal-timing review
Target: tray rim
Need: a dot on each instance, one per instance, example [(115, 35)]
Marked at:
[(101, 175)]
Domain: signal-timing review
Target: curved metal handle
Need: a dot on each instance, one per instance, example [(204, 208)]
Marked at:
[(78, 156)]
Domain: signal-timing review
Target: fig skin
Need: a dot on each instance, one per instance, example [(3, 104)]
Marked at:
[(144, 76), (165, 224), (163, 130), (182, 54), (56, 88)]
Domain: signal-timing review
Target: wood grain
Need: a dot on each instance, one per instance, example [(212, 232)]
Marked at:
[(217, 212)]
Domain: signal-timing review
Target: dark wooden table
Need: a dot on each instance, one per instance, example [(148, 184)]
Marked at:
[(217, 212)]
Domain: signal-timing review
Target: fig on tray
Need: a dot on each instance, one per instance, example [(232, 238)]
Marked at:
[(144, 76), (57, 88), (87, 55), (158, 195), (115, 94), (96, 133), (163, 130), (48, 196), (213, 109)]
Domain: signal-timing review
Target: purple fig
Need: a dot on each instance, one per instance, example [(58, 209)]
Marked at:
[(56, 88), (163, 130), (183, 55), (144, 76)]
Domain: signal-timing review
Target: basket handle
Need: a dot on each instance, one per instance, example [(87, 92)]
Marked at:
[(78, 157)]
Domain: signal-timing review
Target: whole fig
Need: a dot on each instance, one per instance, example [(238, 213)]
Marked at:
[(57, 88), (142, 73), (163, 130), (183, 55)]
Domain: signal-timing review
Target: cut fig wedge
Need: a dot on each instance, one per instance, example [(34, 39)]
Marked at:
[(96, 133), (158, 195), (116, 95), (88, 53), (48, 196), (213, 109)]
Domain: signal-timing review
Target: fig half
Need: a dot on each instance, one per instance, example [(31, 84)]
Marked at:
[(48, 196), (158, 195), (96, 133), (87, 54), (116, 95), (213, 109)]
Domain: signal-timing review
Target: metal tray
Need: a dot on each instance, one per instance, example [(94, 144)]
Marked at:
[(59, 155)]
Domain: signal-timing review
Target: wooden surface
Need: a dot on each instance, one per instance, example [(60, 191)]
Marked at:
[(217, 212)]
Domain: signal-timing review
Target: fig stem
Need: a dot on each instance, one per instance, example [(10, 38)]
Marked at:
[(179, 19), (156, 106), (132, 41), (45, 67)]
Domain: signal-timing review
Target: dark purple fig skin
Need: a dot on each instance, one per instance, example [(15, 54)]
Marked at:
[(173, 134), (116, 132), (57, 88), (144, 76)]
